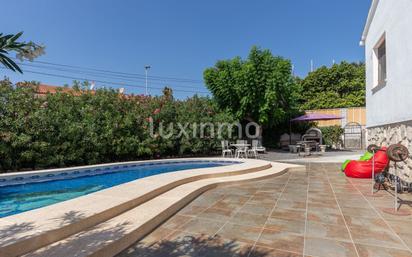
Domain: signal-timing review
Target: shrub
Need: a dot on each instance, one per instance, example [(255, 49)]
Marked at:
[(332, 135), (83, 127)]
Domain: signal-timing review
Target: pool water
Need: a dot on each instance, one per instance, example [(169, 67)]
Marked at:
[(28, 196)]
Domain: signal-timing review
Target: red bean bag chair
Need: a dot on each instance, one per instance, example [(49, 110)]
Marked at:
[(363, 169)]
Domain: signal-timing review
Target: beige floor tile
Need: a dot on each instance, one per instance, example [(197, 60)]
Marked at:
[(326, 210), (192, 210), (370, 236), (334, 219), (288, 214), (156, 236), (260, 251), (327, 248), (217, 214), (293, 226), (261, 199), (359, 212), (254, 208), (281, 240), (371, 223), (248, 219), (291, 204), (240, 233), (218, 247), (401, 227), (227, 205), (202, 226), (375, 251), (176, 221), (328, 231)]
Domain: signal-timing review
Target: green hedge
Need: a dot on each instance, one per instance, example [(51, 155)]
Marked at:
[(80, 128)]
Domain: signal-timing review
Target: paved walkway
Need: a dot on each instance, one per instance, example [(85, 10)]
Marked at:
[(317, 213), (327, 157)]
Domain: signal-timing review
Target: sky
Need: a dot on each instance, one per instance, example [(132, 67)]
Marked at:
[(178, 39)]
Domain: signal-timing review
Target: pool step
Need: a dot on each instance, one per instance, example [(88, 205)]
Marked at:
[(29, 231), (113, 236)]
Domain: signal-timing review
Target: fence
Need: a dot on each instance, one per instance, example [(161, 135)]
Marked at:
[(353, 121), (350, 115)]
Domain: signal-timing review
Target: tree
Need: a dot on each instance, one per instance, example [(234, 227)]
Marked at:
[(8, 43), (342, 85), (259, 89)]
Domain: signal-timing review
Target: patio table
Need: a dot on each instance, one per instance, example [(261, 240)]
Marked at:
[(303, 144), (240, 147)]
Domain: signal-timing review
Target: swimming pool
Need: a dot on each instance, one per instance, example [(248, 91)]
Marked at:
[(28, 193)]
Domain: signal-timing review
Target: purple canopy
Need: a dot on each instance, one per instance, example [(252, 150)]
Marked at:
[(316, 116)]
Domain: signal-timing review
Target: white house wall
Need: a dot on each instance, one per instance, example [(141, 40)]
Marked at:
[(393, 102)]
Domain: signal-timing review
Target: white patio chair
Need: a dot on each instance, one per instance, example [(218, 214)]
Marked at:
[(225, 149), (253, 152), (242, 151), (258, 146)]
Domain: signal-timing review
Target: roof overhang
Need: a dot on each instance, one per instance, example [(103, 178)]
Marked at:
[(371, 14)]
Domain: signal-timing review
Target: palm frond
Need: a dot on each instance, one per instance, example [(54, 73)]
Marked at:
[(8, 43), (9, 63)]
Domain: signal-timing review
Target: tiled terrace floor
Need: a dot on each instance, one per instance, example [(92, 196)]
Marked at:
[(315, 213)]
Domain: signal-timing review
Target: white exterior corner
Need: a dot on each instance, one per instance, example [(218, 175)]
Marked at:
[(389, 100), (371, 14), (389, 103)]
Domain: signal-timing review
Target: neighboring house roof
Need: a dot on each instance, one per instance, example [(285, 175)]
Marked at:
[(371, 14), (44, 89)]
